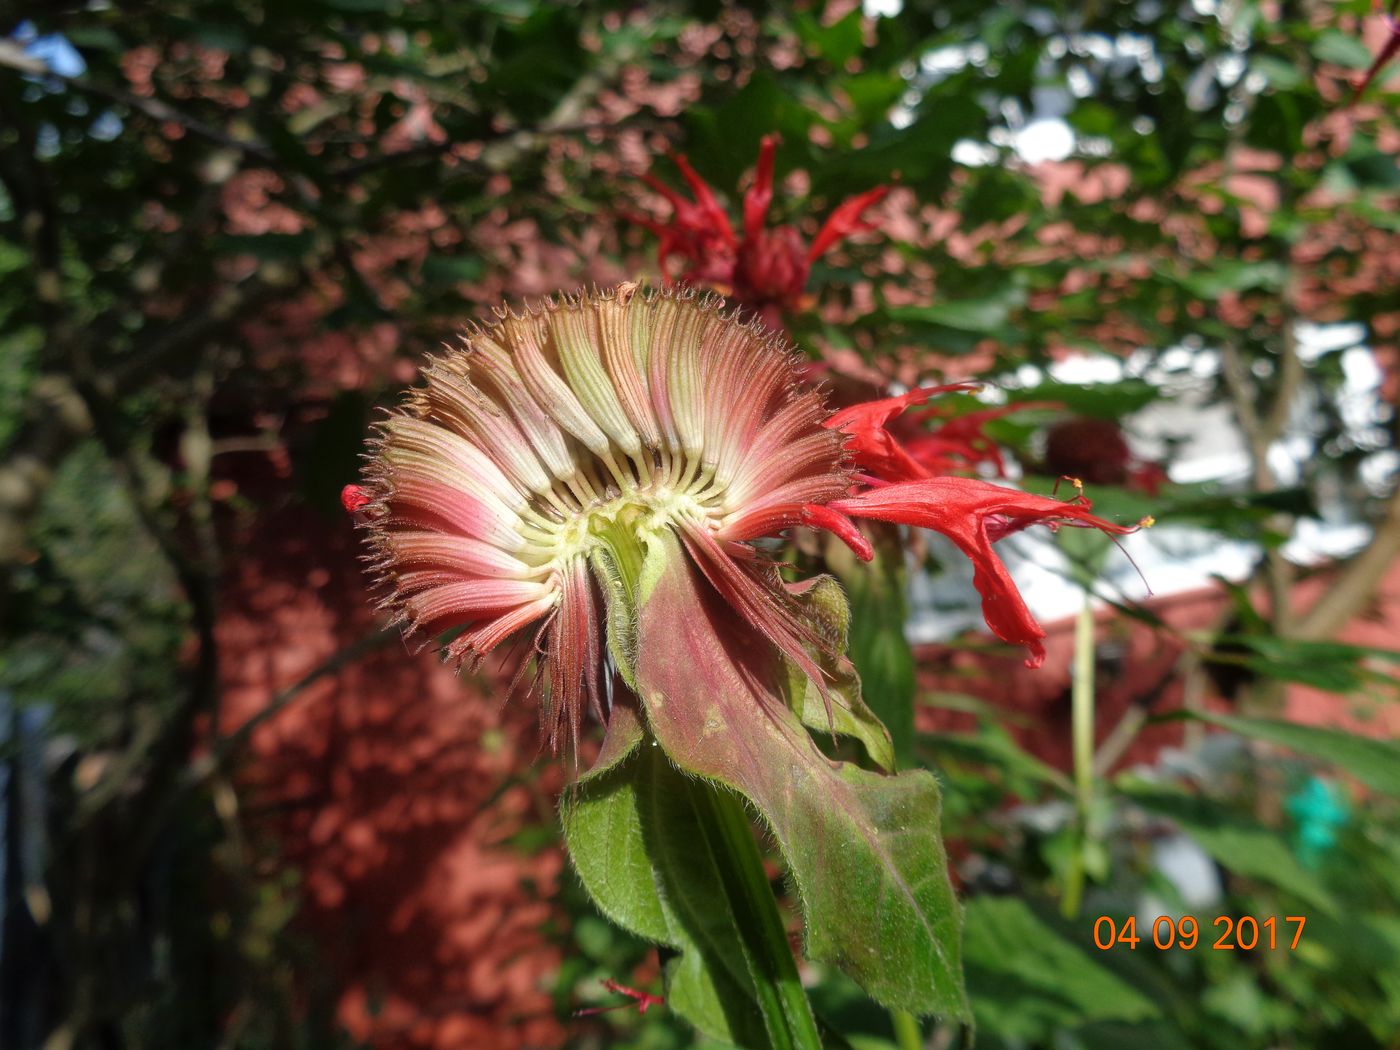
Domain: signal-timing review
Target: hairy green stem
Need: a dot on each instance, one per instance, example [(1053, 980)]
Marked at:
[(777, 987), (907, 1033), (1082, 732)]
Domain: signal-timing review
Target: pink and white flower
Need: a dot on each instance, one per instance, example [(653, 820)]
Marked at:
[(524, 485)]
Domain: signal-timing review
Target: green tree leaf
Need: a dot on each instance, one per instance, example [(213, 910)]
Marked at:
[(1342, 49), (984, 315)]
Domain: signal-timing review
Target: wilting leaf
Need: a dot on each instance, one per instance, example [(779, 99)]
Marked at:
[(864, 849), (843, 710), (878, 647)]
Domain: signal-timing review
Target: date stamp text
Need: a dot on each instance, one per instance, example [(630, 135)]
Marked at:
[(1228, 933)]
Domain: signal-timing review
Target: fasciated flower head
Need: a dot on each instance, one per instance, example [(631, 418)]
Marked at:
[(521, 482), (526, 486)]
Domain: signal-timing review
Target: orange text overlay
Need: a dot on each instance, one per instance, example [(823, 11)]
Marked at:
[(1227, 934)]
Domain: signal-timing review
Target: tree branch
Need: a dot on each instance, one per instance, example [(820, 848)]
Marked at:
[(1356, 580)]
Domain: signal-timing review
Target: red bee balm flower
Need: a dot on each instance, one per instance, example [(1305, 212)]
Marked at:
[(974, 515), (765, 268)]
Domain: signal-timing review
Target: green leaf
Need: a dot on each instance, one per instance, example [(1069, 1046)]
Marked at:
[(919, 154), (843, 710), (878, 647), (993, 746), (1234, 275), (1375, 763), (602, 821), (1280, 73), (1238, 843), (838, 43), (983, 315), (1342, 49), (632, 835), (1100, 400), (863, 849), (453, 269), (1333, 666), (1026, 979)]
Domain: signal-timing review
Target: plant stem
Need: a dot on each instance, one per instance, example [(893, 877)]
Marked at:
[(1082, 732), (777, 987), (907, 1034)]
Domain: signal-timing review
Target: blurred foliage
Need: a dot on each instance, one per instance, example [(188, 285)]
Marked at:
[(224, 225)]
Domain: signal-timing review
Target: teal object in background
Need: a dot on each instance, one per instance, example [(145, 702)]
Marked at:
[(1320, 810)]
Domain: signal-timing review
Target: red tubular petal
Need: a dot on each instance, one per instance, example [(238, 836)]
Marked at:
[(882, 410), (760, 194), (974, 514), (871, 446), (961, 438), (880, 454), (708, 207), (656, 226), (677, 202), (845, 220), (840, 526)]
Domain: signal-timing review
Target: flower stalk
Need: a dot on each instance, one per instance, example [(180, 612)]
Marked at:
[(1082, 738), (787, 1015)]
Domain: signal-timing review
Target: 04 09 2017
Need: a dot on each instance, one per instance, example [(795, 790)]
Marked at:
[(1228, 933)]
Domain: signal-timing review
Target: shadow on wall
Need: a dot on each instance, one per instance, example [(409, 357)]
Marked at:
[(396, 789)]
